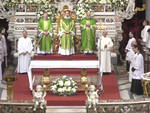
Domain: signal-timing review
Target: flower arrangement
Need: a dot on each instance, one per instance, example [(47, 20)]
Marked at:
[(50, 9), (13, 3), (44, 6), (119, 4), (64, 86), (81, 9), (84, 6)]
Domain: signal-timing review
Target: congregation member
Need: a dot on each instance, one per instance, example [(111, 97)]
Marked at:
[(144, 33), (45, 35), (66, 33), (138, 71), (4, 64), (3, 53), (88, 25), (129, 48), (105, 45), (25, 48)]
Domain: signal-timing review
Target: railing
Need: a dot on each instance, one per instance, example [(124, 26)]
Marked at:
[(18, 107), (130, 106)]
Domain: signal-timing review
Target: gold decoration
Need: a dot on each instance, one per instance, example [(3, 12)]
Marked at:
[(146, 87), (10, 80), (140, 9), (100, 27), (83, 80), (46, 79)]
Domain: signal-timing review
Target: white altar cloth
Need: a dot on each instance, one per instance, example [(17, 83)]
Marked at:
[(59, 64)]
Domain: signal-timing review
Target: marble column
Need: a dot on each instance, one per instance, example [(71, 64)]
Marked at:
[(148, 10)]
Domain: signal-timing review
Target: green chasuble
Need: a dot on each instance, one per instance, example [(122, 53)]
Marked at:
[(88, 34), (66, 40), (45, 41)]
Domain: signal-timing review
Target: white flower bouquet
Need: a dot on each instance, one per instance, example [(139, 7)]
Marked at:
[(50, 9), (119, 4), (64, 86), (83, 7)]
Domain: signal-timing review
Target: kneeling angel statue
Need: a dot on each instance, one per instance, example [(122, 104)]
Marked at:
[(92, 97), (38, 97)]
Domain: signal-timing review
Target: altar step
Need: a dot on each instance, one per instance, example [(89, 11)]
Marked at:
[(66, 109), (62, 71), (64, 57)]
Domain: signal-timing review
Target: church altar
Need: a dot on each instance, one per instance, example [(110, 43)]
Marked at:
[(59, 64)]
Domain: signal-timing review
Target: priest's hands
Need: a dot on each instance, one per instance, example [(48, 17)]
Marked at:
[(133, 69), (25, 53), (88, 25), (105, 46), (67, 32), (46, 33)]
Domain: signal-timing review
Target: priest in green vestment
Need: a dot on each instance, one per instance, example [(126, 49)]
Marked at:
[(88, 25), (45, 33), (66, 34)]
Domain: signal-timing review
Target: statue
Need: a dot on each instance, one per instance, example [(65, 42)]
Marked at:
[(131, 6), (92, 97), (38, 97)]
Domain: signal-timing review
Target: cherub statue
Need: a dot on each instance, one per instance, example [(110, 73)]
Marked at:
[(38, 97), (131, 6), (92, 97)]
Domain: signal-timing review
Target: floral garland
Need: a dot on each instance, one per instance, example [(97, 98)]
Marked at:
[(84, 6), (14, 3), (81, 9), (64, 86), (44, 6), (50, 9), (119, 4)]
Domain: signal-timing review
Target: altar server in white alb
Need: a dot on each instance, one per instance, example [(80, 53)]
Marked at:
[(138, 71), (105, 45), (131, 57), (24, 50), (3, 52), (128, 48), (144, 33)]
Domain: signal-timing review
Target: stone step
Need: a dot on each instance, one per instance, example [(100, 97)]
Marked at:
[(66, 109)]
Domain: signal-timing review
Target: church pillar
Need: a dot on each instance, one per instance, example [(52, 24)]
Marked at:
[(147, 10)]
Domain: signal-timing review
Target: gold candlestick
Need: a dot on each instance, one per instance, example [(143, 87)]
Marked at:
[(46, 79)]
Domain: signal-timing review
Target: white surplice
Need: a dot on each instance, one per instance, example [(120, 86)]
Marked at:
[(24, 45), (131, 58), (3, 52), (138, 64), (145, 35), (129, 47), (105, 53)]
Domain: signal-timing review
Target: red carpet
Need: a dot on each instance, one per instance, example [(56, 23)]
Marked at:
[(70, 57), (22, 92)]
